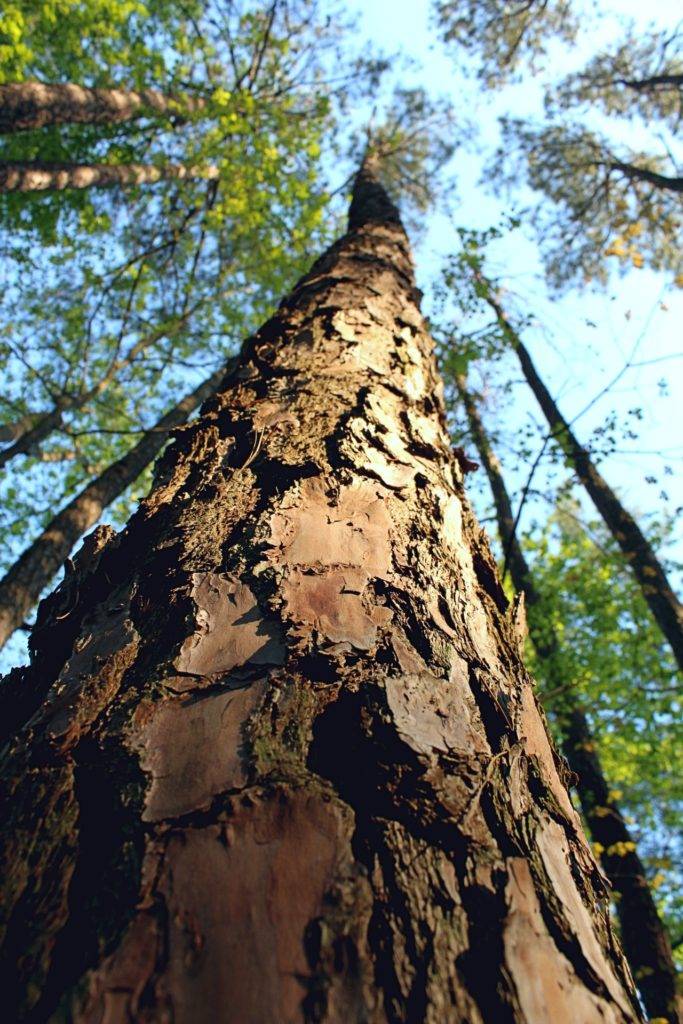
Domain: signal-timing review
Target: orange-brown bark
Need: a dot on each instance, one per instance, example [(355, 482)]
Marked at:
[(29, 105), (42, 177), (285, 763), (644, 936)]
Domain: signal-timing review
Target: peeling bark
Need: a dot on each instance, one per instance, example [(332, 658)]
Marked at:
[(310, 782), (42, 177), (645, 939), (29, 105), (25, 581), (648, 570)]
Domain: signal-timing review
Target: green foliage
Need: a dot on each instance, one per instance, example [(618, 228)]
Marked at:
[(117, 301), (601, 205), (92, 42), (504, 36), (616, 662), (461, 301), (641, 76)]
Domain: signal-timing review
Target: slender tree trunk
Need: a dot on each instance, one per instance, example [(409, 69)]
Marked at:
[(15, 429), (27, 105), (29, 432), (644, 936), (46, 177), (663, 603), (653, 82), (644, 174), (288, 766), (23, 584)]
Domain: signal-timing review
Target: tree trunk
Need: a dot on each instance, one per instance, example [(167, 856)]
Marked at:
[(644, 936), (636, 173), (29, 432), (15, 429), (288, 766), (23, 584), (27, 105), (653, 82), (657, 591), (45, 177)]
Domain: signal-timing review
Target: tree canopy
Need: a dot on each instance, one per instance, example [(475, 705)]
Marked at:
[(169, 170)]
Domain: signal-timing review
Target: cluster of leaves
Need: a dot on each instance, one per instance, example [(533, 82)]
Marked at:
[(606, 202), (502, 36), (616, 662), (613, 657), (606, 199), (93, 42), (117, 302)]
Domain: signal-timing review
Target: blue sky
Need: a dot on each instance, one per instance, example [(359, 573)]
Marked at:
[(576, 359), (641, 309)]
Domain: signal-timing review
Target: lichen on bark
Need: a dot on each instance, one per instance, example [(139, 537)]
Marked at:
[(335, 799)]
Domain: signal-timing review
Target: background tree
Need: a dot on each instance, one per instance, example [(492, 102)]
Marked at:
[(646, 943), (112, 303), (606, 199), (306, 575), (466, 270)]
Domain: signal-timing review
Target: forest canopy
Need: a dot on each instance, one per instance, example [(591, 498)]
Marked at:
[(169, 171)]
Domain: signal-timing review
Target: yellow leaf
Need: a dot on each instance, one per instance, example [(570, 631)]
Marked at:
[(617, 248)]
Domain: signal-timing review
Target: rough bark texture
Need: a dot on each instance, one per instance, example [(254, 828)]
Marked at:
[(658, 592), (27, 105), (644, 937), (287, 765), (42, 177), (26, 580)]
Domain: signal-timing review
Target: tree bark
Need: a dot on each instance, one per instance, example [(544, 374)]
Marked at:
[(29, 432), (636, 173), (652, 82), (47, 177), (645, 939), (657, 591), (25, 581), (288, 766), (15, 429), (28, 105)]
